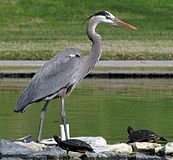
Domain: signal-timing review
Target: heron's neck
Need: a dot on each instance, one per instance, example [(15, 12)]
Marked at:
[(96, 50)]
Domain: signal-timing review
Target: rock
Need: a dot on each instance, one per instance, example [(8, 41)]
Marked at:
[(49, 141), (114, 155), (145, 147), (93, 141), (119, 148), (92, 156), (10, 149), (51, 153), (36, 147), (25, 139), (140, 156), (99, 149), (167, 149), (119, 156), (158, 149), (11, 158), (74, 155)]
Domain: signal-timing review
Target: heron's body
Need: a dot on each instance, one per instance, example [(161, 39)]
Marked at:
[(52, 78), (62, 73)]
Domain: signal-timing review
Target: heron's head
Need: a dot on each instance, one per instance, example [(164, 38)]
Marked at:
[(107, 17)]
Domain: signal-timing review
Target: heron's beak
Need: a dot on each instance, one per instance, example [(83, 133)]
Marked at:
[(124, 24)]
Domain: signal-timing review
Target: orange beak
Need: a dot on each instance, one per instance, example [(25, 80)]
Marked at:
[(124, 24)]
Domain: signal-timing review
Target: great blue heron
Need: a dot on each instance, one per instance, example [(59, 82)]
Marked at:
[(62, 73)]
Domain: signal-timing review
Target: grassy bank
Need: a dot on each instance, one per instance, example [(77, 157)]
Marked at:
[(39, 29)]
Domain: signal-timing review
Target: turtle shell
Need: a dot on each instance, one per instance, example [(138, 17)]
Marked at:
[(143, 135), (74, 145)]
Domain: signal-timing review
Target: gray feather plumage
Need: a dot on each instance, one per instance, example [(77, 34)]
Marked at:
[(62, 71), (59, 72)]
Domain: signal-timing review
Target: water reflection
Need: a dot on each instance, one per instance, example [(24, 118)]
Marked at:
[(97, 107)]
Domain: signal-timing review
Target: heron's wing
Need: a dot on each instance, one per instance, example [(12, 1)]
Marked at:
[(59, 72)]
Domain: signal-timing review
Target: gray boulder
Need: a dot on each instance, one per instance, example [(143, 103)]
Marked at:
[(119, 156), (51, 153), (10, 149), (145, 147), (166, 150)]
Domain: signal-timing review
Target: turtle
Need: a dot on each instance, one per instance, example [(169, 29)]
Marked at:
[(143, 135), (74, 145)]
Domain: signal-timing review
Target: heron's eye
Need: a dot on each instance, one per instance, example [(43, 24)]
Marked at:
[(107, 17), (71, 56)]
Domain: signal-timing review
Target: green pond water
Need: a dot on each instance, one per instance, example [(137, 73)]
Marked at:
[(97, 107)]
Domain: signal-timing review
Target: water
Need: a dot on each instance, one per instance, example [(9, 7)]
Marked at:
[(97, 107)]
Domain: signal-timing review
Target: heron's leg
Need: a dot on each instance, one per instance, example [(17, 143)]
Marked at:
[(63, 116), (43, 111)]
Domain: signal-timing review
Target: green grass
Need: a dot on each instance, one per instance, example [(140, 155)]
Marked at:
[(135, 68), (19, 68), (38, 29)]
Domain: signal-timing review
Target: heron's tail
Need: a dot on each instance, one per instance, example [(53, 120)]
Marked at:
[(21, 105), (23, 101)]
